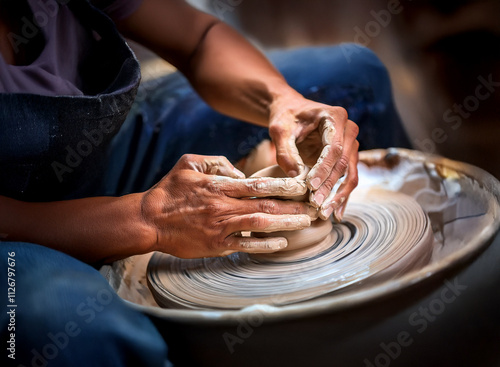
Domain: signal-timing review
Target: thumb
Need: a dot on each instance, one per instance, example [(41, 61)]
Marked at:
[(287, 153), (220, 166), (210, 165)]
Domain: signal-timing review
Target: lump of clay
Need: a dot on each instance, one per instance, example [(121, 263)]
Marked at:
[(299, 239)]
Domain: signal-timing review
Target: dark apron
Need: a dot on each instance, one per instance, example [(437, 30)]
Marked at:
[(54, 148)]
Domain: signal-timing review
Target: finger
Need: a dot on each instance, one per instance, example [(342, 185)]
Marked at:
[(332, 136), (229, 171), (339, 212), (259, 187), (267, 223), (278, 207), (211, 165), (236, 243), (319, 196), (221, 166), (337, 200), (287, 154)]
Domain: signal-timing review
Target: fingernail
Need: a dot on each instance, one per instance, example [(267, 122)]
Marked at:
[(304, 221), (315, 183), (318, 199), (292, 173), (278, 244), (325, 213), (303, 171), (312, 212), (339, 213)]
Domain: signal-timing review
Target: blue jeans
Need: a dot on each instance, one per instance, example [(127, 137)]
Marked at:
[(67, 314)]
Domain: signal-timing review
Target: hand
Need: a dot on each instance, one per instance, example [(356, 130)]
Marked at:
[(200, 208), (321, 137)]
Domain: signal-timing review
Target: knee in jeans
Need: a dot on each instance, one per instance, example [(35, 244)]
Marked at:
[(356, 53), (362, 58)]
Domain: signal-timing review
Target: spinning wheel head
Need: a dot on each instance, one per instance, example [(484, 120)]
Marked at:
[(383, 234)]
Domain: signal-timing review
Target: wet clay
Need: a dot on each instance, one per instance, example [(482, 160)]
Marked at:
[(303, 238)]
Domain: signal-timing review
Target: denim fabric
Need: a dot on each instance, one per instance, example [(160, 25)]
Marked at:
[(169, 119), (66, 314)]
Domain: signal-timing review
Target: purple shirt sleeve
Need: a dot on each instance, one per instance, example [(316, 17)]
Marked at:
[(55, 71)]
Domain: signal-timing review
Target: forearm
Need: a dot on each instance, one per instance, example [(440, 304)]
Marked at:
[(234, 77), (92, 229), (223, 67)]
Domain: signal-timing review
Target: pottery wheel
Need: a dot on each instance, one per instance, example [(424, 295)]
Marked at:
[(383, 235)]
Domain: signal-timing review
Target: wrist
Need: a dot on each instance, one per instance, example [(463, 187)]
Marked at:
[(285, 97), (143, 232)]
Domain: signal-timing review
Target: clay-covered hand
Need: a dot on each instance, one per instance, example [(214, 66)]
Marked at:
[(200, 208), (321, 137)]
